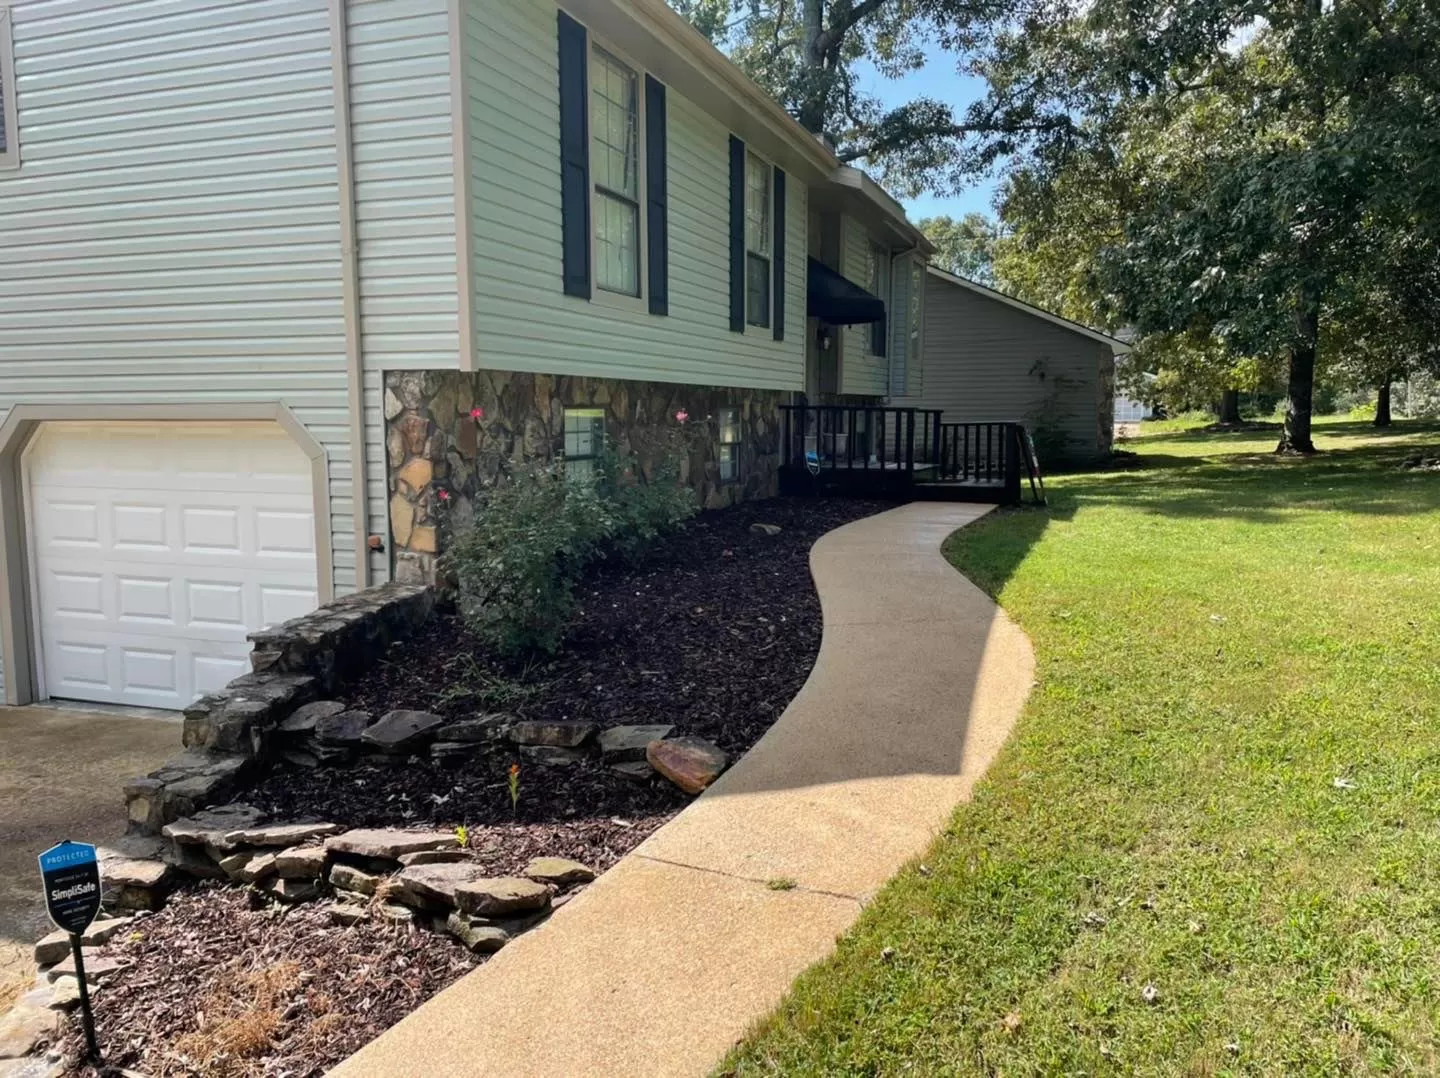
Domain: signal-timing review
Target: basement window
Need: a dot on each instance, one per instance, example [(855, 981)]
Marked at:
[(729, 445), (584, 438)]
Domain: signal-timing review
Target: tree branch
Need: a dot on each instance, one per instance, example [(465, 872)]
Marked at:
[(835, 33)]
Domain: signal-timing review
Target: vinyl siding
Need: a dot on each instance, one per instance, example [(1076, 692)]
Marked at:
[(982, 359), (862, 372), (173, 233), (523, 321), (401, 147)]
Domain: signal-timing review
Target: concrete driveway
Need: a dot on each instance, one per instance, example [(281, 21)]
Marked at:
[(60, 776)]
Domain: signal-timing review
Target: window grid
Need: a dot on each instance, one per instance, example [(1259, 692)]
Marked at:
[(584, 438), (729, 454), (758, 228), (615, 167)]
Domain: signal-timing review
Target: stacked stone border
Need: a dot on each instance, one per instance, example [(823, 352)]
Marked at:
[(229, 735)]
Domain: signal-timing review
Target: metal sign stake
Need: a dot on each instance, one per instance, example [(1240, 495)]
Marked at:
[(87, 1017)]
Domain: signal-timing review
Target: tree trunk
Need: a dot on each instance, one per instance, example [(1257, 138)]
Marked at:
[(1382, 405), (1230, 406), (1300, 396), (814, 86)]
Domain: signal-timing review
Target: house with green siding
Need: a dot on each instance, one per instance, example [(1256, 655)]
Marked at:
[(285, 281)]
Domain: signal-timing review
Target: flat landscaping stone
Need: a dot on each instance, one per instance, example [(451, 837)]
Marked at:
[(342, 730), (480, 938), (293, 890), (97, 968), (492, 727), (281, 834), (453, 751), (623, 744), (431, 886), (350, 878), (128, 872), (558, 733), (401, 731), (301, 863), (691, 763), (303, 719), (192, 861), (635, 770), (249, 867), (390, 844), (54, 947), (558, 870), (553, 755), (65, 993), (23, 1028), (501, 896), (210, 826), (770, 530), (348, 913), (435, 857)]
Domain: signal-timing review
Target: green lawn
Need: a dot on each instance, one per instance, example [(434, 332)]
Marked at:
[(1213, 844)]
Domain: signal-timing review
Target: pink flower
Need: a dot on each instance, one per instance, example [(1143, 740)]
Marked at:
[(443, 494), (477, 413), (681, 415)]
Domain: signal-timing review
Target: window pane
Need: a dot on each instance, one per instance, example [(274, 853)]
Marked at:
[(614, 125), (617, 245), (729, 425), (584, 437), (729, 463), (757, 205), (757, 290)]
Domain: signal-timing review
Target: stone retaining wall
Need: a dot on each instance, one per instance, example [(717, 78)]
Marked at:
[(448, 433), (227, 735)]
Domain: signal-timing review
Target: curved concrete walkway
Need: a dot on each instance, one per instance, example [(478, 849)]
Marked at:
[(660, 966)]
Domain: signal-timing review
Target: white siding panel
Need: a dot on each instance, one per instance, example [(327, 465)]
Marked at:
[(401, 137), (523, 321), (983, 360), (173, 233)]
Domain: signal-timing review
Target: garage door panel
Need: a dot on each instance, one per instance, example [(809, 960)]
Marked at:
[(157, 552)]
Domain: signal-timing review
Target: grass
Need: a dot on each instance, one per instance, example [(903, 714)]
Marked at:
[(1213, 843)]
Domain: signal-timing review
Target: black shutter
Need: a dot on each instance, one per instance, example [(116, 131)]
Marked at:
[(574, 158), (777, 304), (657, 241), (737, 235)]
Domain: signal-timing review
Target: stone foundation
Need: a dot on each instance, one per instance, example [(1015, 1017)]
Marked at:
[(226, 735), (436, 442)]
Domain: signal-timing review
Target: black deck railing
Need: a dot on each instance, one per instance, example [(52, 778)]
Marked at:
[(904, 451)]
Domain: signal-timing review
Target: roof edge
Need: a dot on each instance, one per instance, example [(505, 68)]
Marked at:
[(1116, 344)]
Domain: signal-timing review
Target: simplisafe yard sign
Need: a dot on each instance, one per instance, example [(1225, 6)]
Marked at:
[(72, 885), (70, 873)]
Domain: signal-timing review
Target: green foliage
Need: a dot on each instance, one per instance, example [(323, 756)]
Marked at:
[(965, 247), (534, 532), (470, 683), (1223, 784)]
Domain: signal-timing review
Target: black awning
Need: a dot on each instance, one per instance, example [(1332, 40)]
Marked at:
[(839, 300)]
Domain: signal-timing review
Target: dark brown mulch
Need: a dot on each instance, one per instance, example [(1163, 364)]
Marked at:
[(220, 989), (714, 635)]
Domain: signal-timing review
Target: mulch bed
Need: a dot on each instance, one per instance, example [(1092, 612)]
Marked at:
[(221, 989), (714, 635)]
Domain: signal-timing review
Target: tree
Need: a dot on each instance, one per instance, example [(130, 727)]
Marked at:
[(965, 247), (1266, 168), (804, 54)]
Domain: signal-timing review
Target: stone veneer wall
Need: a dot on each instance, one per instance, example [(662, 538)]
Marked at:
[(433, 444)]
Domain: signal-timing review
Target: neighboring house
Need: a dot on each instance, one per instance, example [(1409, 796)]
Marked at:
[(987, 356), (1129, 410), (275, 274)]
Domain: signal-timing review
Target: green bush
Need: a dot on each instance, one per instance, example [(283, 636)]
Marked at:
[(534, 532)]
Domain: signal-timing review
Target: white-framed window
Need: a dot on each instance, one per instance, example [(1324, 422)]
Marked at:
[(759, 239), (616, 118), (729, 451), (584, 438), (9, 114)]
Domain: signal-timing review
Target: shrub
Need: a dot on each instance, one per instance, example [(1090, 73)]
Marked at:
[(516, 565)]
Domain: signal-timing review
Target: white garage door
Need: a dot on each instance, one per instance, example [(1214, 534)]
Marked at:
[(156, 547)]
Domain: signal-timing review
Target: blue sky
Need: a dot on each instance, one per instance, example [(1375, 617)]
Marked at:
[(937, 79)]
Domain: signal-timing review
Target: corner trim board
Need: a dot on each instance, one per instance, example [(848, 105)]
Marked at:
[(350, 288), (460, 155), (18, 647)]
